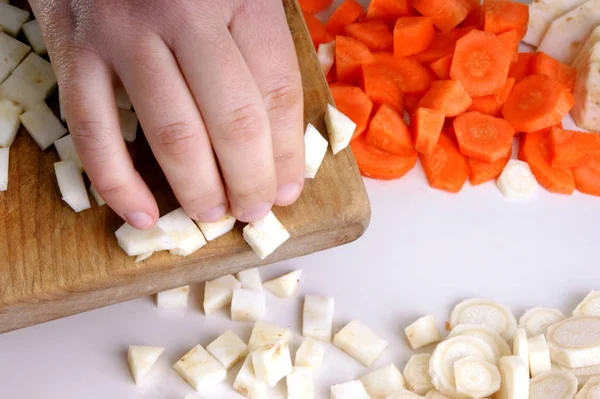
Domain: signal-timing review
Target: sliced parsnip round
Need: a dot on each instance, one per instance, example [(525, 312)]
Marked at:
[(435, 394), (590, 306), (515, 378), (583, 374), (404, 394), (520, 346), (553, 385), (416, 373), (497, 343), (441, 365), (537, 320), (575, 342), (517, 180), (485, 312), (539, 355), (475, 378), (591, 389)]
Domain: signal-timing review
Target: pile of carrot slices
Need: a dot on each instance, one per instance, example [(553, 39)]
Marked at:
[(453, 67)]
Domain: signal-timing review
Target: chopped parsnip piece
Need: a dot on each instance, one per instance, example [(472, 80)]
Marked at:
[(250, 279), (141, 359), (122, 98), (485, 312), (33, 33), (360, 342), (300, 383), (38, 73), (349, 390), (12, 52), (248, 305), (517, 180), (200, 369), (12, 18), (266, 235), (264, 334), (272, 363), (4, 169), (137, 242), (326, 54), (142, 257), (416, 373), (9, 121), (72, 186), (590, 306), (536, 321), (246, 382), (383, 382), (422, 332), (185, 235), (175, 298), (318, 317), (216, 229), (340, 129), (99, 200), (553, 385), (21, 92), (539, 355), (476, 378), (228, 349), (284, 286), (310, 354), (575, 342), (218, 293), (496, 342), (128, 122), (521, 346), (66, 151), (315, 149), (515, 378), (43, 126), (590, 390)]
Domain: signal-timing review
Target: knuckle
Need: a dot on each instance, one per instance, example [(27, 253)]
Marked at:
[(285, 96), (175, 139), (255, 191), (203, 199), (286, 157), (108, 190), (243, 125), (91, 135)]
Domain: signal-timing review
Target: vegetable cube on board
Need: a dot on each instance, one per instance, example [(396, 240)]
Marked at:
[(175, 298), (300, 383), (349, 390), (42, 125), (143, 257), (422, 332), (213, 230), (9, 121), (137, 242), (218, 293), (122, 98), (12, 52), (228, 349), (272, 363), (33, 33), (141, 359), (284, 286), (12, 18), (128, 122), (200, 369), (315, 150), (3, 169), (266, 235), (99, 200), (310, 354), (383, 382), (340, 129), (248, 305), (264, 334), (360, 342), (19, 91), (246, 382), (66, 151), (250, 279), (317, 320), (38, 73), (185, 235), (326, 54), (71, 185)]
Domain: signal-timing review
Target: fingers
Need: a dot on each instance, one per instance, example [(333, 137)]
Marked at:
[(173, 127), (271, 58), (89, 105), (234, 113)]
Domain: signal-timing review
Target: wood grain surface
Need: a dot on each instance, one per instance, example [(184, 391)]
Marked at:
[(54, 263)]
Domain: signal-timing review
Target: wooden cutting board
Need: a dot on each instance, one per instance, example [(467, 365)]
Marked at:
[(55, 263)]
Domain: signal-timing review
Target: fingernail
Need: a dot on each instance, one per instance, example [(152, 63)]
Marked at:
[(287, 194), (139, 220), (256, 213), (213, 215)]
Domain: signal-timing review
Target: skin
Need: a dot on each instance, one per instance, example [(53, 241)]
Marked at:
[(215, 84)]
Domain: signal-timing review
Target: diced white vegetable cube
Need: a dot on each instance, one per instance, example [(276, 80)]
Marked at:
[(264, 334), (383, 382), (3, 169), (326, 54), (248, 305), (250, 279), (284, 286), (310, 354), (340, 129), (143, 257), (99, 200), (246, 382), (72, 186), (586, 112), (216, 229), (272, 363), (515, 378), (12, 18), (539, 355), (517, 180), (122, 98), (38, 73), (360, 342), (137, 242), (175, 298), (66, 151), (128, 122), (583, 56), (521, 346), (43, 126), (200, 369), (266, 235), (349, 390), (9, 121), (33, 33), (300, 384), (185, 235), (590, 306), (542, 13), (317, 318), (12, 52), (228, 349), (141, 359), (315, 149), (422, 332), (218, 293), (18, 90)]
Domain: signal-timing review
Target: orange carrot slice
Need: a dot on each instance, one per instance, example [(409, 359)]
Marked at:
[(480, 63), (389, 132), (441, 67), (382, 88), (510, 41), (537, 102), (318, 33), (443, 44), (355, 104), (388, 10), (411, 102), (481, 171), (374, 34), (448, 96), (474, 19), (445, 168), (543, 64), (570, 148), (412, 77), (412, 35), (587, 175), (492, 104), (482, 136), (520, 69), (426, 125), (500, 16), (350, 55), (314, 6), (446, 14), (348, 12), (378, 164)]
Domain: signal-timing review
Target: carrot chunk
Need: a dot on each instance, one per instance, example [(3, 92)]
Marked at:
[(389, 132), (474, 19), (318, 33), (443, 44), (481, 171), (441, 67), (382, 88), (378, 164), (412, 35), (374, 34), (482, 136), (537, 102), (426, 125), (570, 148), (446, 14), (500, 16), (314, 6), (520, 69), (353, 103), (350, 55), (448, 96), (388, 10), (587, 175), (412, 77), (348, 12), (445, 168), (480, 63), (510, 41), (492, 104), (411, 102), (543, 64)]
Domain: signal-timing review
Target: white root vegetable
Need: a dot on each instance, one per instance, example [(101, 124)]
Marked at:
[(141, 359), (496, 342), (521, 346), (517, 180), (435, 394), (586, 50), (475, 378), (575, 342), (590, 306), (383, 382), (128, 123), (586, 112), (266, 235), (349, 390), (71, 185), (38, 73), (33, 34), (264, 334), (583, 374), (66, 151), (422, 332), (99, 200), (553, 385), (21, 92), (250, 279), (284, 286), (42, 125), (539, 355), (315, 149), (174, 298), (300, 383), (537, 320), (4, 153), (340, 129), (542, 13), (122, 98), (248, 305), (317, 317), (9, 121), (485, 312), (272, 363), (214, 230), (185, 235), (12, 18), (143, 257), (416, 373), (326, 54), (200, 369), (360, 342), (228, 349), (591, 389), (310, 354), (246, 382), (404, 394), (515, 378), (218, 293), (137, 242), (12, 52)]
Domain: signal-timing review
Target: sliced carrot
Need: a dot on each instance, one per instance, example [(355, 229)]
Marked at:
[(318, 33), (350, 55), (482, 136), (543, 64), (537, 102), (426, 125), (411, 102), (569, 148), (520, 69), (446, 14), (412, 35), (587, 175), (534, 136), (355, 104), (500, 16), (480, 63), (389, 132), (445, 168), (412, 77), (388, 10), (382, 88), (510, 41), (314, 6), (448, 96), (378, 164), (374, 34), (481, 171), (492, 104), (348, 12), (502, 94), (441, 67), (443, 44), (474, 18)]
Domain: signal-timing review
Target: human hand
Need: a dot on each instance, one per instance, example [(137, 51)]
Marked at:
[(202, 75)]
